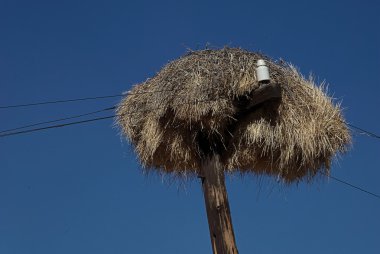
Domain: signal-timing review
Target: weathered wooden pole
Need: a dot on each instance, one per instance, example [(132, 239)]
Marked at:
[(213, 181), (217, 207)]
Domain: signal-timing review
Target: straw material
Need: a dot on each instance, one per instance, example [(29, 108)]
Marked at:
[(193, 108)]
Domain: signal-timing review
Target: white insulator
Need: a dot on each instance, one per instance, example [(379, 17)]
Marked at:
[(262, 71)]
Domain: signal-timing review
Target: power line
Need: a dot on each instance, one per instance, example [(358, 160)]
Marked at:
[(353, 186), (56, 126), (75, 116), (58, 120), (80, 99), (362, 131), (60, 101), (70, 117), (83, 121)]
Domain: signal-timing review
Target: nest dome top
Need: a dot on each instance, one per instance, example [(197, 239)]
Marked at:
[(199, 105)]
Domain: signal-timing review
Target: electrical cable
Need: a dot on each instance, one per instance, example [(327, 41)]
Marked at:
[(83, 121), (60, 101), (80, 99), (58, 120), (362, 131), (352, 186), (56, 126)]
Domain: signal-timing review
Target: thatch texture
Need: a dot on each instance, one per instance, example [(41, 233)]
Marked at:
[(193, 107)]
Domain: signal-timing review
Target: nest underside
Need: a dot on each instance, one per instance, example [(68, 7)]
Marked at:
[(194, 108)]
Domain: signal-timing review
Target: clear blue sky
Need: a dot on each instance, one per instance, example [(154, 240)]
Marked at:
[(80, 190)]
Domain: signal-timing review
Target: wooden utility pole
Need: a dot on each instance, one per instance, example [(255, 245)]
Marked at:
[(213, 181), (217, 207)]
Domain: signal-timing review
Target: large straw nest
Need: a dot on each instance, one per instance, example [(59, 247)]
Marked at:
[(191, 109)]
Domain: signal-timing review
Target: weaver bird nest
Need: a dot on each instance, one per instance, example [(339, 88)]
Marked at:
[(201, 104)]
